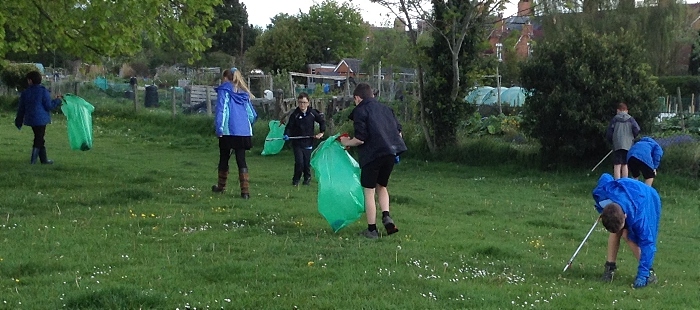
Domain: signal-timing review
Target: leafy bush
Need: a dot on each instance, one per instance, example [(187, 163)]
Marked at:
[(578, 81), (9, 103), (688, 84), (167, 77), (492, 125), (13, 75), (681, 159)]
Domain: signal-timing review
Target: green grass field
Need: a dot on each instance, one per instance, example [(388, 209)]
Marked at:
[(132, 224)]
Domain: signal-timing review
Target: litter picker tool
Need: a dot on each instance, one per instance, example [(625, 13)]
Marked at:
[(581, 245), (290, 138), (601, 161)]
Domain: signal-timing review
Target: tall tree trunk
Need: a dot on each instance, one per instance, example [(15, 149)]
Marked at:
[(455, 73), (423, 124)]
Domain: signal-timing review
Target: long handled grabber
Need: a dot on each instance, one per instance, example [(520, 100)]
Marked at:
[(581, 245), (290, 138), (601, 161)]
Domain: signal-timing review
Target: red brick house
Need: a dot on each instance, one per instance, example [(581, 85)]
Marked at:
[(522, 22)]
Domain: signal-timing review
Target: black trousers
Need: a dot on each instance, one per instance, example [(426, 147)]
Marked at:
[(302, 162), (235, 145), (39, 133)]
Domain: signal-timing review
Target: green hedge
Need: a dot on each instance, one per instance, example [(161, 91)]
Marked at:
[(689, 84), (13, 75)]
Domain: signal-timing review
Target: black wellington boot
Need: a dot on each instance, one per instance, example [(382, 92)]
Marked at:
[(42, 157), (35, 155)]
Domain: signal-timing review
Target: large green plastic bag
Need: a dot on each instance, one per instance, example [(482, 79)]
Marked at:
[(340, 195), (273, 141), (78, 112)]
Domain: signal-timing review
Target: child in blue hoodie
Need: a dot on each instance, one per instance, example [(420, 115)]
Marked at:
[(34, 110), (631, 210), (233, 128), (644, 157)]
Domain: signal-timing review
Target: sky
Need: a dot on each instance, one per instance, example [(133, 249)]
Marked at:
[(260, 11)]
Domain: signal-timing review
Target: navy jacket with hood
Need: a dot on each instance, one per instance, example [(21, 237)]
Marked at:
[(302, 124), (377, 126), (35, 105), (642, 205)]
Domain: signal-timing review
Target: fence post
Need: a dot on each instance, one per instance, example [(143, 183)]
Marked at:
[(679, 108), (174, 107), (77, 88), (208, 101), (135, 89), (692, 103)]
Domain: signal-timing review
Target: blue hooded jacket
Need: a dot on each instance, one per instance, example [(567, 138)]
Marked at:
[(647, 151), (231, 117), (642, 205), (35, 105)]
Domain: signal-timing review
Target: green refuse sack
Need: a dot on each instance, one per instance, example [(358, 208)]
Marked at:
[(78, 113), (273, 141), (340, 195)]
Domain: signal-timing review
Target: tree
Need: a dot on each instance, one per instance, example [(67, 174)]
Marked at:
[(694, 61), (332, 31), (327, 33), (237, 38), (452, 56), (390, 46), (457, 27), (94, 29), (660, 29), (281, 46), (577, 81)]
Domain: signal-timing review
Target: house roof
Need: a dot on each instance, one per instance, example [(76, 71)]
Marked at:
[(352, 63)]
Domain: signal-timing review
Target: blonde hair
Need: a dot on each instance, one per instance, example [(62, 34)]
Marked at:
[(234, 75)]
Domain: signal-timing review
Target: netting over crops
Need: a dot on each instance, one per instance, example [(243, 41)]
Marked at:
[(514, 96)]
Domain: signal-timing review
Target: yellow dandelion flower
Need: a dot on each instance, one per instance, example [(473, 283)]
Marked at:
[(310, 264)]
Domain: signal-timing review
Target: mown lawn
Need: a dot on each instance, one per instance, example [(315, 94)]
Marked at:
[(132, 224)]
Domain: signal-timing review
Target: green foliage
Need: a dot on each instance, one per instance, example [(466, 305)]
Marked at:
[(95, 29), (682, 160), (217, 59), (281, 46), (13, 75), (689, 84), (694, 62), (232, 16), (492, 125), (488, 151), (391, 46), (661, 30), (280, 80), (9, 103), (328, 32), (452, 56), (577, 82), (333, 31), (167, 77)]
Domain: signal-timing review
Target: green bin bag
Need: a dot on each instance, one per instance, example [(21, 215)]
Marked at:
[(340, 195), (273, 141), (78, 113)]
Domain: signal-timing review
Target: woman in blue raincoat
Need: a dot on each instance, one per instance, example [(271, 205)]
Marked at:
[(233, 128)]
